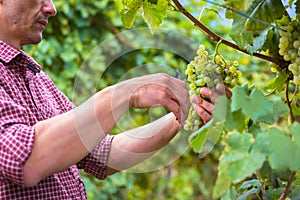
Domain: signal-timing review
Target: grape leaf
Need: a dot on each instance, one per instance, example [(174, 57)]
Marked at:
[(230, 194), (295, 127), (129, 11), (132, 4), (258, 42), (234, 120), (154, 13), (285, 152), (220, 110), (277, 84), (209, 133), (223, 182), (242, 156), (279, 109), (264, 10), (128, 17), (245, 29), (236, 4), (253, 184), (257, 104), (197, 142)]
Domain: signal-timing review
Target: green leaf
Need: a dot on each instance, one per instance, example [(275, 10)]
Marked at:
[(279, 109), (264, 10), (285, 152), (234, 120), (209, 133), (230, 194), (128, 17), (245, 29), (223, 182), (220, 110), (245, 155), (295, 127), (258, 41), (242, 156), (154, 13), (254, 186), (278, 83), (256, 105), (132, 4), (198, 141), (129, 11), (238, 33), (237, 147)]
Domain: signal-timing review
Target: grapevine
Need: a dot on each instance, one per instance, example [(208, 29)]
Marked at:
[(208, 71), (289, 45)]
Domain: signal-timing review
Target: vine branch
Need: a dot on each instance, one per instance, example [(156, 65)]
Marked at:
[(288, 186), (214, 37), (288, 101)]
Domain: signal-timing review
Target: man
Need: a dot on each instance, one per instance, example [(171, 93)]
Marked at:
[(44, 139)]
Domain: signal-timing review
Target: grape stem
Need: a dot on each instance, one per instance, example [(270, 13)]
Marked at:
[(217, 49), (214, 37)]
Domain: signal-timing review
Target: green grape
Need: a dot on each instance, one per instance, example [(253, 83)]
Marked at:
[(207, 79), (296, 44), (208, 71), (284, 41), (232, 69), (289, 46)]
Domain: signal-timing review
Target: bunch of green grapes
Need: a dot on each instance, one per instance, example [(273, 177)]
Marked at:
[(208, 71), (289, 45)]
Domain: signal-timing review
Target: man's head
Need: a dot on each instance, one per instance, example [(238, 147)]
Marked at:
[(23, 21)]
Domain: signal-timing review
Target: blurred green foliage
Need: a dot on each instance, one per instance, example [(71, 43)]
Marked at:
[(69, 45)]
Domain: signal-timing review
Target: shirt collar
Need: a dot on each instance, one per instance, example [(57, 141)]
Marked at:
[(8, 53)]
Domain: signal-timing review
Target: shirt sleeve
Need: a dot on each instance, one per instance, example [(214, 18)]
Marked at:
[(16, 139), (96, 162)]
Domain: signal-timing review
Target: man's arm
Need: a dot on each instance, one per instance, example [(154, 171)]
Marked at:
[(66, 139)]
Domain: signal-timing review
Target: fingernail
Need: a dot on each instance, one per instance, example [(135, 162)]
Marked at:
[(203, 90)]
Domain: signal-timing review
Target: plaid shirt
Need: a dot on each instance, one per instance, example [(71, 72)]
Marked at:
[(27, 95)]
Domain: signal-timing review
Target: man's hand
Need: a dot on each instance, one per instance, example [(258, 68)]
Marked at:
[(160, 90)]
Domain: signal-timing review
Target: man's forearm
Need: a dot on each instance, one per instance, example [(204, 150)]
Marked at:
[(133, 146)]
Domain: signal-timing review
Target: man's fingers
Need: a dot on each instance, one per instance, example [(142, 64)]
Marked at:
[(203, 108), (204, 115), (202, 103), (224, 90), (208, 93)]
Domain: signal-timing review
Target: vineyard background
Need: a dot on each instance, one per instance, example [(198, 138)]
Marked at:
[(257, 153)]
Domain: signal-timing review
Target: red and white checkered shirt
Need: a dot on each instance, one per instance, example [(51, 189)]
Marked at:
[(27, 95)]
